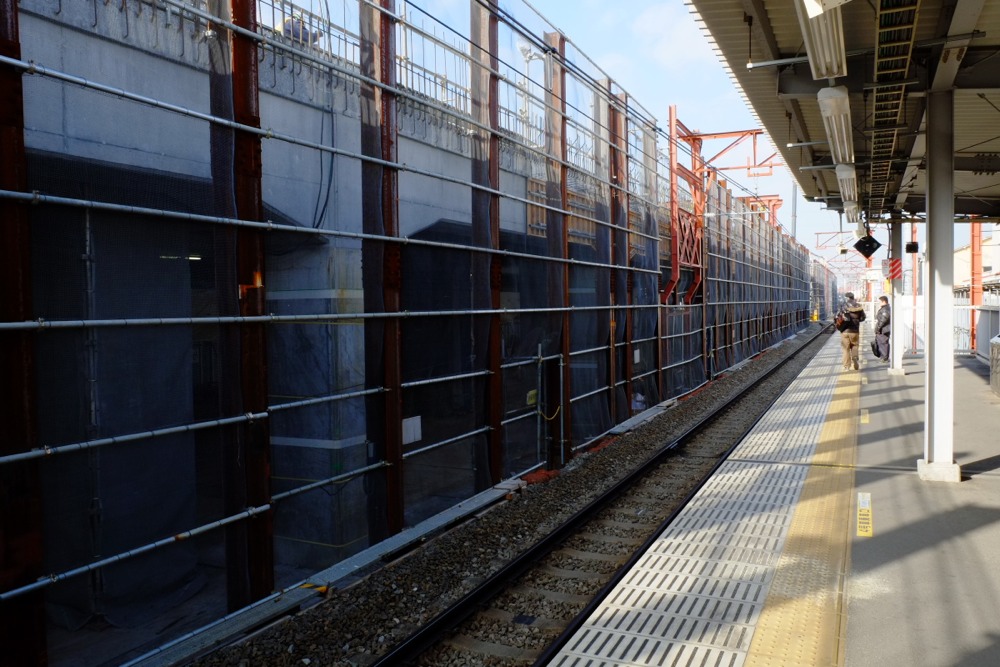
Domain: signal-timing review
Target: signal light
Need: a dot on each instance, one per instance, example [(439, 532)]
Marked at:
[(867, 246)]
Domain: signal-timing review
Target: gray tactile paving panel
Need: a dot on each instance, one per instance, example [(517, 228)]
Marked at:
[(695, 596)]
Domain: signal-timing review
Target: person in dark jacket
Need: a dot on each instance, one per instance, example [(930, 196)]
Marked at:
[(882, 329), (853, 314)]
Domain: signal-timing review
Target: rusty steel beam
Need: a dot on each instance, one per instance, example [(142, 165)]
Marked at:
[(698, 196), (675, 211), (223, 174), (495, 351), (557, 102), (685, 228), (382, 261), (625, 255), (393, 267), (618, 173), (487, 269), (22, 620), (248, 194), (555, 234)]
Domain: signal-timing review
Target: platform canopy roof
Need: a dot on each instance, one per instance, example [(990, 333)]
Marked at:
[(841, 87)]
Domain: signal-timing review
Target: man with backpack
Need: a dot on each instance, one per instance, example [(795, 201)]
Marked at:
[(849, 319)]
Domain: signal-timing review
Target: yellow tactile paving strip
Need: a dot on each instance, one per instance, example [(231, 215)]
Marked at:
[(716, 585), (803, 620)]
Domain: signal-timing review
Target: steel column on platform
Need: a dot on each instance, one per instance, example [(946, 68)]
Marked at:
[(976, 285), (896, 331), (938, 463)]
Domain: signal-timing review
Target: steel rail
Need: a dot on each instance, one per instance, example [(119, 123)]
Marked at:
[(408, 651)]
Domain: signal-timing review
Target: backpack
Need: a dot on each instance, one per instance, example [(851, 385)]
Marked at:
[(841, 322)]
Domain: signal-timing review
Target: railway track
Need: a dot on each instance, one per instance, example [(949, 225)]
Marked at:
[(523, 612)]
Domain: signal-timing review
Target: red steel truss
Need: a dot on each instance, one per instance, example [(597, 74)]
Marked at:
[(686, 227)]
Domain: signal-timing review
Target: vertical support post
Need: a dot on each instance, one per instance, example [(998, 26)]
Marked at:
[(728, 340), (249, 198), (707, 181), (604, 277), (867, 297), (895, 327), (383, 261), (698, 197), (625, 254), (651, 226), (556, 108), (618, 175), (487, 271), (627, 287), (22, 620), (222, 147), (915, 282), (938, 463), (976, 282), (675, 211)]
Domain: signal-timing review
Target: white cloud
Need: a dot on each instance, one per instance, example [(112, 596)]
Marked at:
[(658, 53)]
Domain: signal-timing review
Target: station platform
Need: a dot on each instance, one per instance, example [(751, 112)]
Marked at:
[(817, 543)]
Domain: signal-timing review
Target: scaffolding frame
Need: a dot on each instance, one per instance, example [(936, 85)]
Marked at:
[(591, 295)]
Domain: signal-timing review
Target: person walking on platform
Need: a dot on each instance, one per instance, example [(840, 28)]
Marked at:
[(850, 317), (882, 329)]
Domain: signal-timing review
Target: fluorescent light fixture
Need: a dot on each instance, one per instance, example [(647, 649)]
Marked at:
[(799, 144), (816, 7), (852, 212), (835, 107), (824, 40), (847, 177)]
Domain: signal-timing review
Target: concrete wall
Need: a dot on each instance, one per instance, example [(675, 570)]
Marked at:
[(111, 46)]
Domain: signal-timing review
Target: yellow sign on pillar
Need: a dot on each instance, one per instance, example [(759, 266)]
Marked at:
[(864, 514)]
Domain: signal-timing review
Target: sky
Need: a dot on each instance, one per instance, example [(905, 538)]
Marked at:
[(657, 53)]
